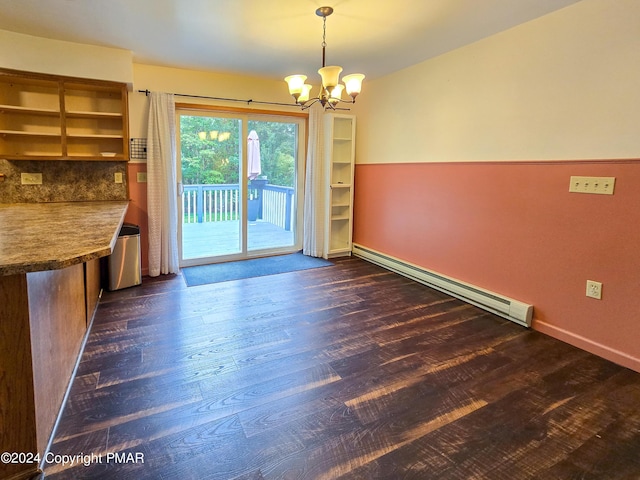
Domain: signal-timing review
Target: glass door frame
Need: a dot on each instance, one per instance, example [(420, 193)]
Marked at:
[(246, 115)]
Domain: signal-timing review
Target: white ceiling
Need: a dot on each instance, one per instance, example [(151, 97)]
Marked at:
[(273, 38)]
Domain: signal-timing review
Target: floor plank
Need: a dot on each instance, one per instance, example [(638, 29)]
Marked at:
[(345, 372)]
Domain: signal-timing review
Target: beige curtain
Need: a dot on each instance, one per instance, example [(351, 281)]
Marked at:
[(161, 185), (315, 186)]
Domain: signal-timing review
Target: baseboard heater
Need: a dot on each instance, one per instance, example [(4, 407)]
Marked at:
[(513, 310)]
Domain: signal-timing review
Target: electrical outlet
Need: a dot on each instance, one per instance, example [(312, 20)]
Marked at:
[(599, 185), (118, 177), (594, 289), (141, 177), (31, 178)]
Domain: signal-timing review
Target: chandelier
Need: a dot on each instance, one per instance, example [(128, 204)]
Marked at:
[(331, 90)]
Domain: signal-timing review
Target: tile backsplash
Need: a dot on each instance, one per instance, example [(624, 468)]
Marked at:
[(63, 181)]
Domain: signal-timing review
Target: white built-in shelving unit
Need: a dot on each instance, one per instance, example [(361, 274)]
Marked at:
[(340, 132)]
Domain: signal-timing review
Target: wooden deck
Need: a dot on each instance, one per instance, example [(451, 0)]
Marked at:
[(347, 372), (200, 240)]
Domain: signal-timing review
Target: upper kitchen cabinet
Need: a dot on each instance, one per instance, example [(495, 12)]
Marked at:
[(45, 117)]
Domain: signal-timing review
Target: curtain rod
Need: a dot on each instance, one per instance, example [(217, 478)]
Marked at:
[(147, 92), (248, 102)]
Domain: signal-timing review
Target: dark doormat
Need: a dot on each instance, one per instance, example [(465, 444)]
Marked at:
[(256, 267)]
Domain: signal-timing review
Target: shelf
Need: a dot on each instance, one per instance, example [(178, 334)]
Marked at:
[(29, 110), (23, 133), (340, 185), (345, 139), (340, 217), (100, 158), (33, 157), (78, 114), (92, 135), (71, 158), (69, 135), (339, 248)]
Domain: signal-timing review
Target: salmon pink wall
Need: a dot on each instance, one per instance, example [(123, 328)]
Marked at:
[(514, 228), (137, 211)]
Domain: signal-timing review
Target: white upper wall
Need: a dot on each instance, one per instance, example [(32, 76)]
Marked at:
[(43, 55), (563, 86)]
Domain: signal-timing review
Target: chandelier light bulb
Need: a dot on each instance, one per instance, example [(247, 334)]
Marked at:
[(336, 93), (353, 84), (330, 76), (306, 92), (296, 84)]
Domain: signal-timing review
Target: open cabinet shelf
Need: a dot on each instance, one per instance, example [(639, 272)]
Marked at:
[(48, 117)]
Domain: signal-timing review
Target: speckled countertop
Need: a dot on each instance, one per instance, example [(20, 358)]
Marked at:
[(49, 236)]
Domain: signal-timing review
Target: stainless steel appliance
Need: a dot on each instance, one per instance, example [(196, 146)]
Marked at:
[(124, 263)]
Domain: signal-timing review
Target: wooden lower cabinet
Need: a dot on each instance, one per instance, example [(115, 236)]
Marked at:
[(43, 321), (92, 286)]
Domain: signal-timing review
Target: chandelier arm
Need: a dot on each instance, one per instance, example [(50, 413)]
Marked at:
[(309, 103)]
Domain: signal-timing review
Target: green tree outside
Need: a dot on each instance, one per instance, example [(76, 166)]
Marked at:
[(210, 150)]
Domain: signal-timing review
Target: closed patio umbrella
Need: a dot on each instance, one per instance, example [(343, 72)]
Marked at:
[(253, 155)]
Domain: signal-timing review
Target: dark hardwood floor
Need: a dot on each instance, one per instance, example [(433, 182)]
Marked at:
[(342, 372)]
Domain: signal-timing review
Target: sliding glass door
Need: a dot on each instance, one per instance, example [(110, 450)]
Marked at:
[(241, 178), (272, 173), (210, 171)]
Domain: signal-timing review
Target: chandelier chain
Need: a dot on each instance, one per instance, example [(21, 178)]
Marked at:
[(324, 35), (324, 31)]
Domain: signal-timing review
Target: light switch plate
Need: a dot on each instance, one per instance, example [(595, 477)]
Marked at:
[(31, 178), (597, 185), (141, 177), (118, 177)]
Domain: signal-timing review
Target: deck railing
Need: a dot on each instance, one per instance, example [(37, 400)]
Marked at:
[(219, 203), (277, 205)]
